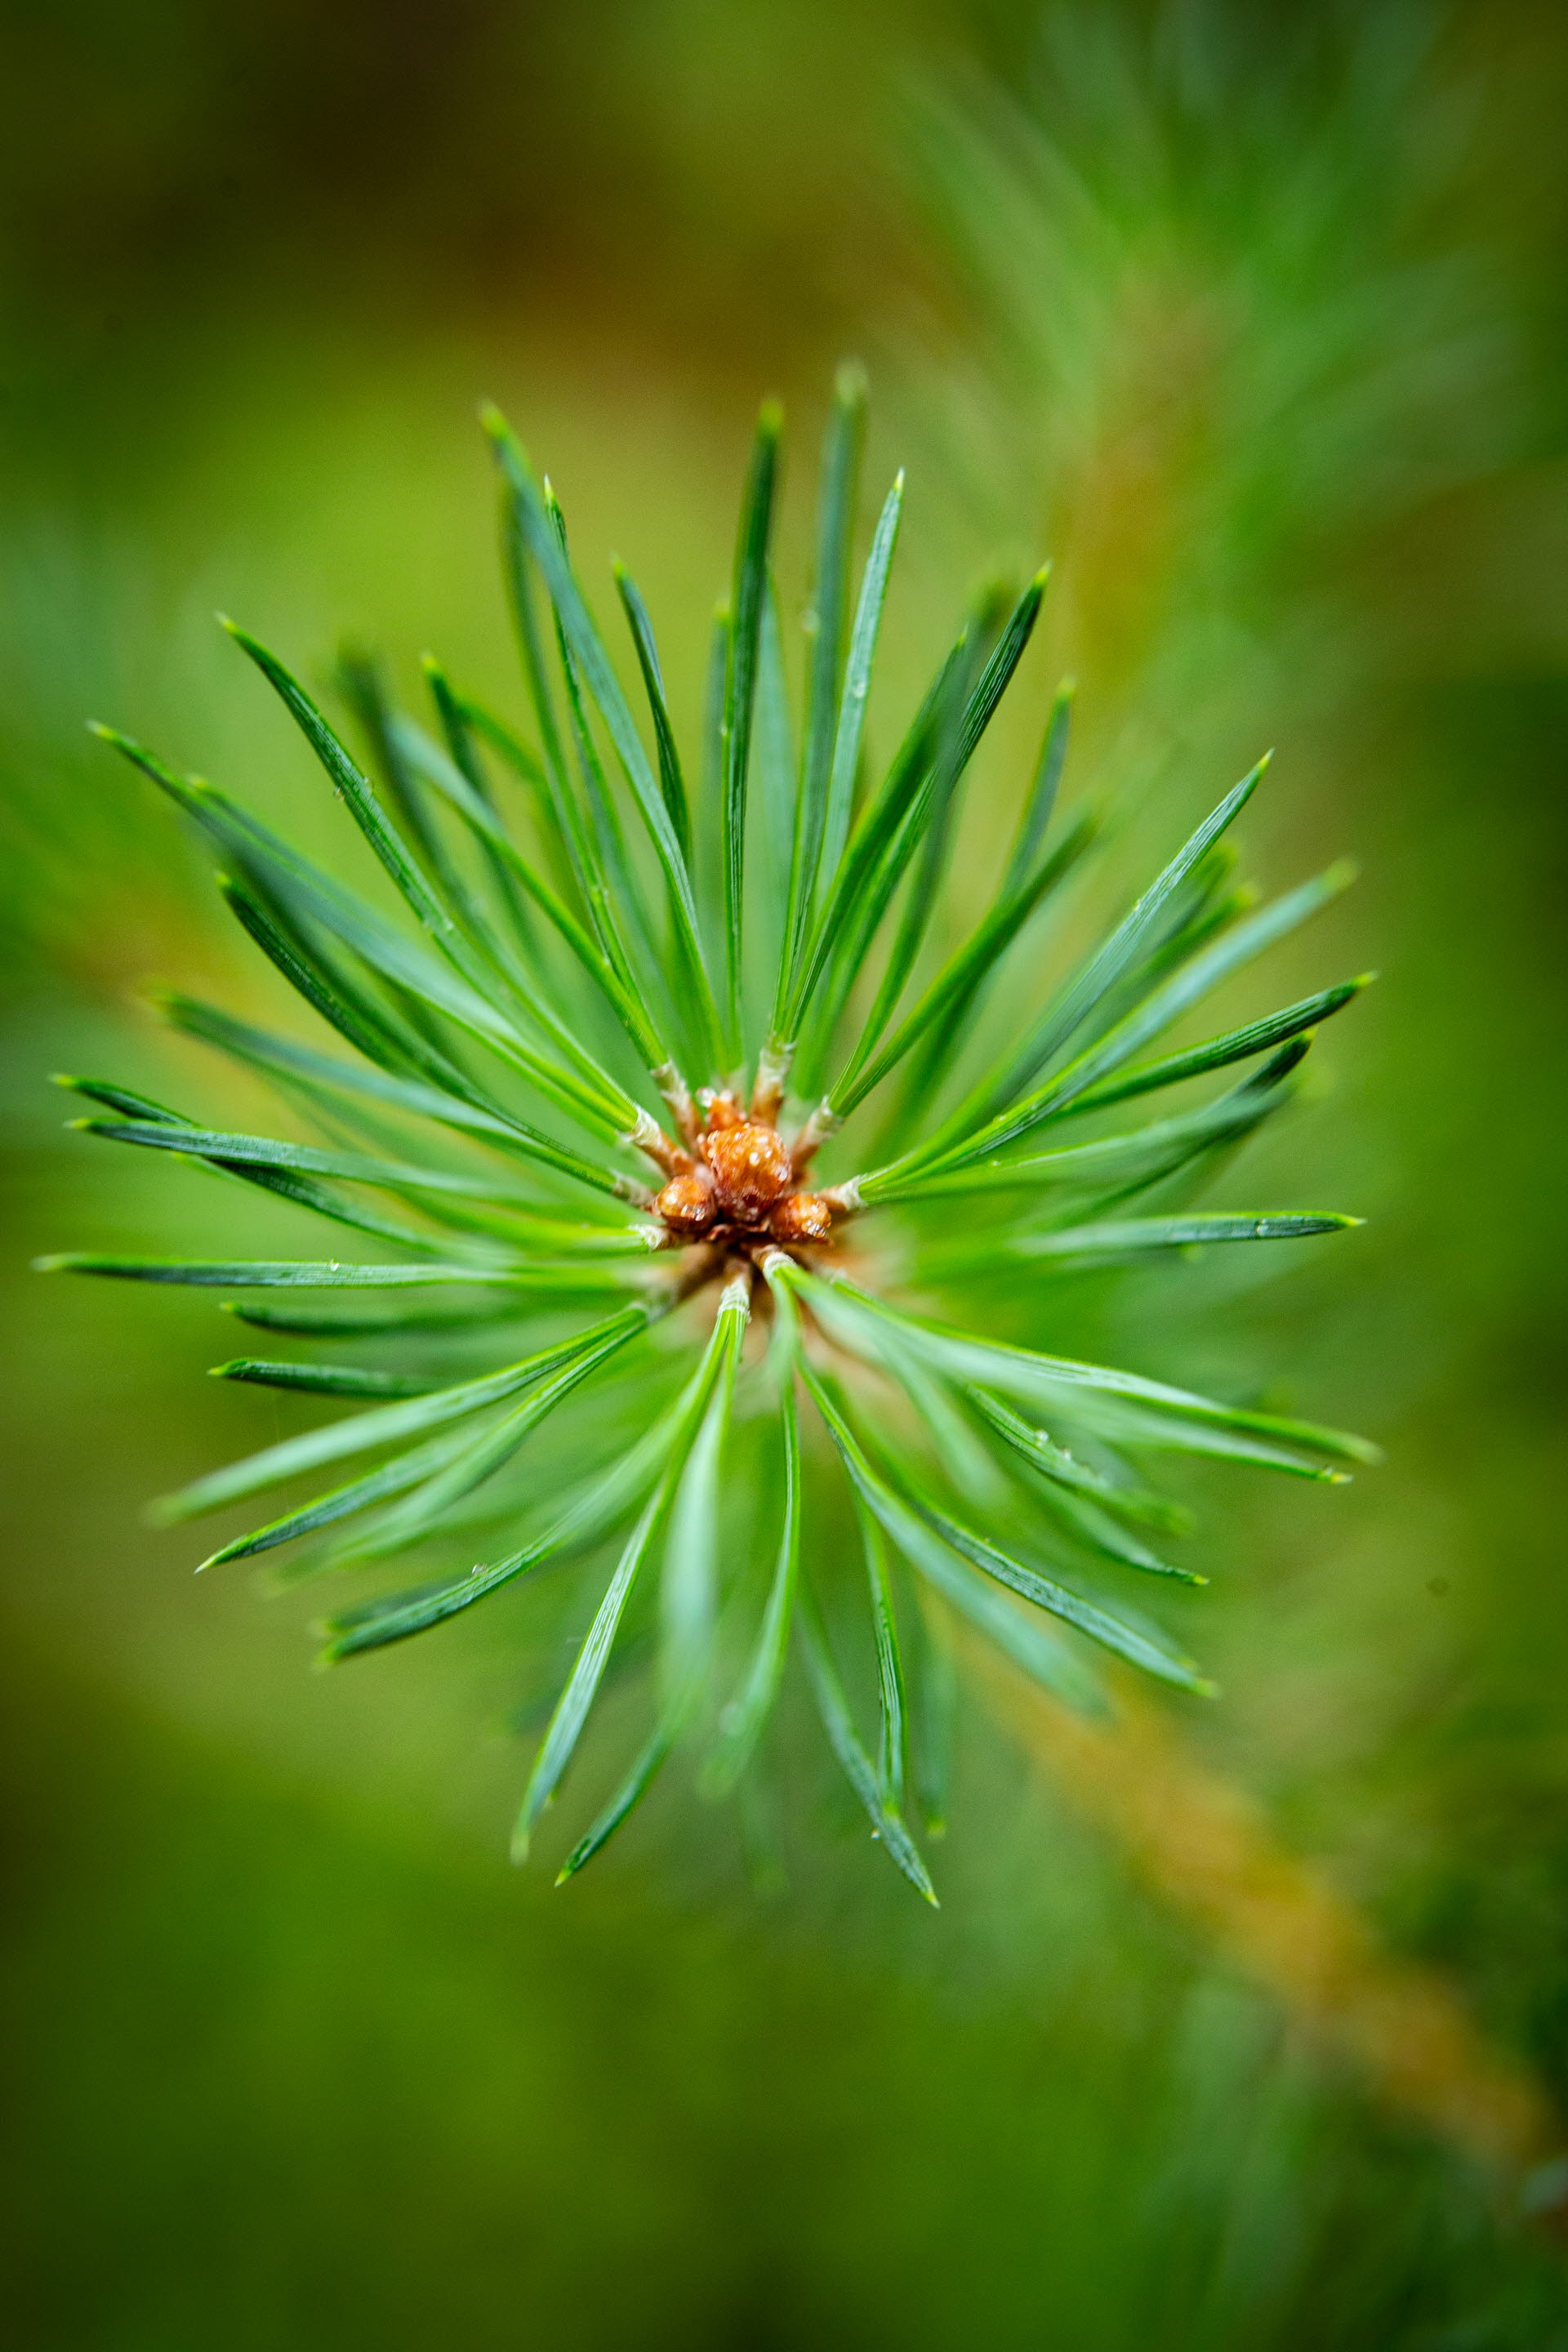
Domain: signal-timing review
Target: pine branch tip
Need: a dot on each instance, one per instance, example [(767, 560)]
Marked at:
[(512, 1240)]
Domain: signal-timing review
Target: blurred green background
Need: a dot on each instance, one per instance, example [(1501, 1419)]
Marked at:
[(1257, 323)]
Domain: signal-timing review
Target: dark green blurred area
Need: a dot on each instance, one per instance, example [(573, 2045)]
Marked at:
[(1258, 328)]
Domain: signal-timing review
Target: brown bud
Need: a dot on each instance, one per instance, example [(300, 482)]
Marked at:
[(751, 1168), (687, 1206), (723, 1110), (802, 1217)]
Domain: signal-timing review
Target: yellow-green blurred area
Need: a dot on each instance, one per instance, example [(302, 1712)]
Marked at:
[(1255, 321)]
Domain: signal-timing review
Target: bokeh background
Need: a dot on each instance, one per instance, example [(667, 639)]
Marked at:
[(1255, 321)]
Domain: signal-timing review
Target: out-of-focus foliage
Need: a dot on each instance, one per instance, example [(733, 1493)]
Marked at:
[(1243, 332), (1255, 323)]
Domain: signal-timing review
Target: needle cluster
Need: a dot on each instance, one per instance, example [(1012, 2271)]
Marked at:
[(571, 1106)]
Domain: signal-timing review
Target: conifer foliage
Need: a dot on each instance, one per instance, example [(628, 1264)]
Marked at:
[(572, 1101)]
